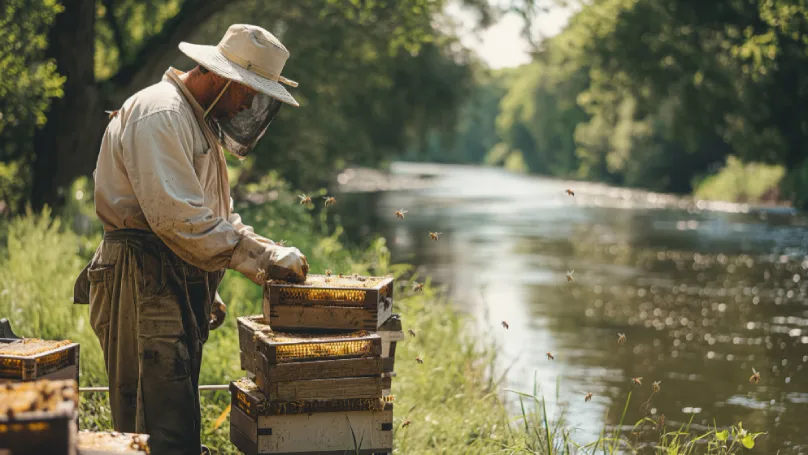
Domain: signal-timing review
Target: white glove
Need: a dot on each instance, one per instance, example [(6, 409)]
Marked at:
[(260, 262)]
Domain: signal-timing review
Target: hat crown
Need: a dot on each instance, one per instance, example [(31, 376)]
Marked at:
[(254, 46)]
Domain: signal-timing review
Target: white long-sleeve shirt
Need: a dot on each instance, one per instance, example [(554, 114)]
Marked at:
[(160, 169)]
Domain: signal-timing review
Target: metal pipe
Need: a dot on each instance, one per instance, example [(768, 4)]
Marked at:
[(106, 389)]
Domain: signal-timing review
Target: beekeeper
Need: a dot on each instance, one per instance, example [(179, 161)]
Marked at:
[(162, 194)]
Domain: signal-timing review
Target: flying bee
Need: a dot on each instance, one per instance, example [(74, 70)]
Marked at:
[(637, 381), (621, 338), (304, 199), (570, 192), (434, 235), (417, 287), (329, 200), (405, 423), (569, 275), (505, 324), (281, 242), (550, 356), (327, 272), (656, 386), (419, 360), (588, 397), (411, 332), (400, 214), (755, 378), (112, 114)]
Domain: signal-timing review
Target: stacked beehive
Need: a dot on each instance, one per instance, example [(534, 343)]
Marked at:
[(32, 358), (320, 361), (39, 417)]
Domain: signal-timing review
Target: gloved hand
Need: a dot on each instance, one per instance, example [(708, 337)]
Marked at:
[(260, 261), (217, 313)]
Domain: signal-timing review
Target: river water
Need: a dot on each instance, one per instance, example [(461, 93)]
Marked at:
[(703, 292)]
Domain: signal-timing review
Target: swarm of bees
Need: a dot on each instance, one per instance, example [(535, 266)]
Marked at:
[(755, 378), (400, 214), (434, 235)]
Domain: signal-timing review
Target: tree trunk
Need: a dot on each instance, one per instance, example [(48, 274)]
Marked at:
[(65, 146)]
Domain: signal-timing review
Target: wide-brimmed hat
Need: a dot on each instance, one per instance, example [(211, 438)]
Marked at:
[(250, 55)]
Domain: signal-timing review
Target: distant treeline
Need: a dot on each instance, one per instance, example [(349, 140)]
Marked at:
[(658, 94)]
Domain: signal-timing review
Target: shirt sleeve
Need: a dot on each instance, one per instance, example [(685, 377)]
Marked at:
[(244, 229), (158, 156)]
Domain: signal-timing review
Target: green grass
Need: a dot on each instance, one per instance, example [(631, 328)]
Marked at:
[(741, 182), (454, 401)]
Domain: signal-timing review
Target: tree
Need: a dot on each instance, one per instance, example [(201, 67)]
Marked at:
[(357, 62)]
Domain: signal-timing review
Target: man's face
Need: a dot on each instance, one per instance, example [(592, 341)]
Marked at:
[(236, 98)]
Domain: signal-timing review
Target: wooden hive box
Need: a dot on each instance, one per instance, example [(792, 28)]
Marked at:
[(329, 303), (39, 417), (290, 367), (28, 359), (251, 327), (112, 443), (261, 426)]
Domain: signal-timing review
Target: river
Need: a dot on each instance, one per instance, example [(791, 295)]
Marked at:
[(704, 293)]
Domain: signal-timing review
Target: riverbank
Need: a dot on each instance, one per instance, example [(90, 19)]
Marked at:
[(454, 401)]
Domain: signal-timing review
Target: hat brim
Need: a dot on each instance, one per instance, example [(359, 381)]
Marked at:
[(213, 60)]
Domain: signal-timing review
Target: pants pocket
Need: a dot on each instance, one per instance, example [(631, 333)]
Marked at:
[(100, 278)]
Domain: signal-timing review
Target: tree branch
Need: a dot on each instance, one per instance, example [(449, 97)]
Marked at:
[(161, 49), (117, 33)]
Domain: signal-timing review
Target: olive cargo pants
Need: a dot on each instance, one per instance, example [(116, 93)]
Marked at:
[(150, 311)]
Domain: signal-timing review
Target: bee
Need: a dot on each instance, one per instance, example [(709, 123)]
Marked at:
[(281, 242), (621, 338), (400, 214), (505, 324), (411, 332), (417, 287), (434, 235), (329, 200), (419, 360), (637, 381), (570, 192), (588, 397), (569, 275), (304, 199), (112, 114), (755, 378), (550, 356), (327, 272), (656, 386), (405, 423)]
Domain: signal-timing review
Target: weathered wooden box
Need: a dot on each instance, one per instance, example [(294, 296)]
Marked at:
[(39, 417), (329, 303), (261, 426), (29, 359), (253, 330), (112, 443)]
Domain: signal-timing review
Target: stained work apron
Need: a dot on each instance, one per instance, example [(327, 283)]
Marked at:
[(150, 311)]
